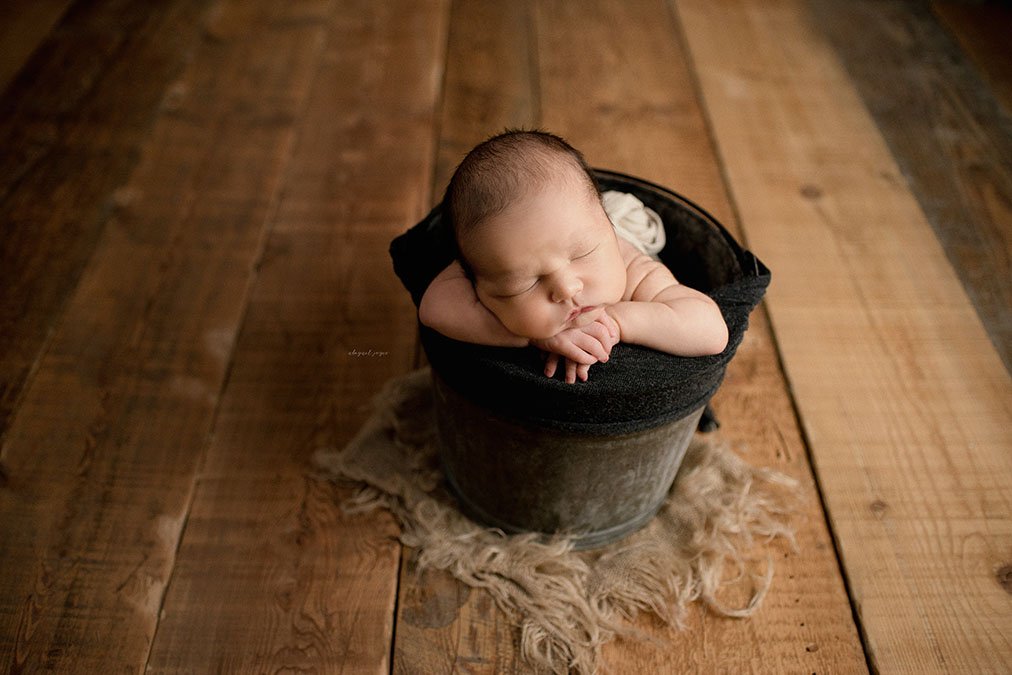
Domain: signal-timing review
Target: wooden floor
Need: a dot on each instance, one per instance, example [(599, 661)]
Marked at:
[(197, 198)]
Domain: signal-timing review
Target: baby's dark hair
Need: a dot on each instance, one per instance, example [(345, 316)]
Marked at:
[(503, 169)]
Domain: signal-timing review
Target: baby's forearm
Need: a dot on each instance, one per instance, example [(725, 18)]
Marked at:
[(471, 322), (451, 307), (687, 326)]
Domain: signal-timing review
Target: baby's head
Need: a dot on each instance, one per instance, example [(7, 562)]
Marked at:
[(532, 233), (506, 168)]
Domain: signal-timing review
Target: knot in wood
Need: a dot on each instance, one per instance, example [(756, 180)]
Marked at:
[(809, 191), (1004, 577), (878, 507)]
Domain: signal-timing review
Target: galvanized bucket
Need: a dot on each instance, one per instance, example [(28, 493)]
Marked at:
[(522, 478)]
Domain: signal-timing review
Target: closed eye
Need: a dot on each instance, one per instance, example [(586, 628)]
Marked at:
[(588, 252), (506, 296)]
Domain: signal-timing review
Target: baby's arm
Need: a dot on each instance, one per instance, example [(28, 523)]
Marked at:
[(451, 307), (664, 315)]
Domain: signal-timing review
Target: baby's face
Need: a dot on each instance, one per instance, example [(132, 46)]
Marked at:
[(549, 262)]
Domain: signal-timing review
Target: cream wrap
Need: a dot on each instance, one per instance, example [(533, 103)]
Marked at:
[(633, 221)]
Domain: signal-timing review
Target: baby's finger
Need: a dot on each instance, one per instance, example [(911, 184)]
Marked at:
[(592, 346), (612, 325), (577, 350), (571, 372), (608, 321), (600, 333), (613, 331), (582, 372), (551, 363)]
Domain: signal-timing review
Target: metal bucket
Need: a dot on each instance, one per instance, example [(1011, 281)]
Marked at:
[(593, 461), (523, 478)]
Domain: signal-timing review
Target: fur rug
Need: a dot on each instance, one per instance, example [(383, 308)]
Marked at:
[(707, 542)]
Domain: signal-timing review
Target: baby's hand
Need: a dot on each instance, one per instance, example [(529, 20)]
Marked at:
[(581, 347)]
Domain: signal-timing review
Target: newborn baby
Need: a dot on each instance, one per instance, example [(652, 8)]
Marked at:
[(540, 264)]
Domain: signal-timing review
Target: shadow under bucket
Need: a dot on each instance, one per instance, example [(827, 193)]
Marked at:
[(594, 460)]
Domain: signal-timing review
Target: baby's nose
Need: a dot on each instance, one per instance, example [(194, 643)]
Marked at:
[(566, 288)]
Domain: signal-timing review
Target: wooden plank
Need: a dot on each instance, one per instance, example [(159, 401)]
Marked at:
[(270, 576), (629, 103), (948, 134), (805, 624), (101, 456), (489, 83), (982, 29), (72, 129), (445, 627), (23, 25), (441, 625), (613, 80), (904, 401)]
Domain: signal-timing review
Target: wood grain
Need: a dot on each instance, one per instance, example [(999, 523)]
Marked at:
[(982, 29), (270, 575), (23, 25), (613, 81), (902, 397), (72, 128), (441, 625), (195, 296), (948, 134), (616, 84), (490, 80), (101, 457)]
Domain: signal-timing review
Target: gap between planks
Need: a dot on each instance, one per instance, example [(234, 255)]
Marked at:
[(323, 243), (887, 408), (257, 260), (736, 217), (453, 626)]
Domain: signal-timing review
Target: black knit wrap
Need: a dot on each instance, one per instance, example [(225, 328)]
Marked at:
[(638, 388)]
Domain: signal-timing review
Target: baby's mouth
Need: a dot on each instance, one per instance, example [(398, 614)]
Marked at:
[(580, 310)]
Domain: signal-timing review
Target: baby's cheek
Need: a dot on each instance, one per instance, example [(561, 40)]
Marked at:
[(510, 314), (530, 321), (615, 290)]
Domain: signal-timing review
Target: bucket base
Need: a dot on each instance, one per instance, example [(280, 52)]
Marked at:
[(520, 478), (581, 542)]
